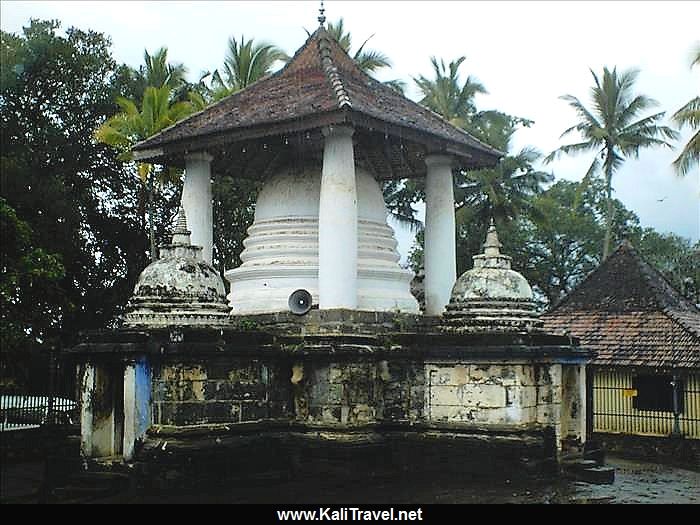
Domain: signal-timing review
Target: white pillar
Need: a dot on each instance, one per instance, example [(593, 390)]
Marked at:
[(197, 201), (129, 411), (337, 222), (87, 387), (583, 405), (439, 252)]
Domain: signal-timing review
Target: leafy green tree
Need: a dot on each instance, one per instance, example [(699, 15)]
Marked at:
[(558, 247), (400, 195), (689, 115), (613, 130), (71, 192), (674, 256), (31, 297), (563, 240), (504, 192), (123, 130)]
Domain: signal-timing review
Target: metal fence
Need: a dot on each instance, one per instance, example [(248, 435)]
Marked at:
[(615, 410), (21, 412), (48, 402)]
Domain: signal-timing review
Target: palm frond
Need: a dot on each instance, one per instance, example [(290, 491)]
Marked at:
[(689, 156), (695, 55), (396, 84), (639, 104), (593, 169), (580, 147), (337, 31), (689, 114), (587, 118), (371, 61)]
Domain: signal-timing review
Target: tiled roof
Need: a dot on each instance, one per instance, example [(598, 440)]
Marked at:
[(321, 80), (630, 315)]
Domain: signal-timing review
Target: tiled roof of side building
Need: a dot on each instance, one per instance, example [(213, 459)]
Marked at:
[(628, 313)]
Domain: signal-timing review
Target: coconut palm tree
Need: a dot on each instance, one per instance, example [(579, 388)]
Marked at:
[(246, 62), (368, 60), (689, 115), (613, 130), (504, 191), (157, 72), (445, 96), (133, 124)]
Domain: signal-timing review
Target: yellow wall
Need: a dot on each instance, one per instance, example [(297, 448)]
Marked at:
[(613, 411)]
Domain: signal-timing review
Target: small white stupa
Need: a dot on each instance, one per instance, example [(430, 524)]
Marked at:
[(491, 297), (180, 288)]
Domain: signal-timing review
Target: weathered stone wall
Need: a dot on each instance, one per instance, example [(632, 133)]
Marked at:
[(383, 382), (573, 406), (404, 391), (492, 394), (548, 381), (339, 393), (356, 393), (101, 408), (220, 390), (360, 393)]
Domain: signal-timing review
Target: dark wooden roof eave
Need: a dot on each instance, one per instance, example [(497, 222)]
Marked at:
[(469, 157)]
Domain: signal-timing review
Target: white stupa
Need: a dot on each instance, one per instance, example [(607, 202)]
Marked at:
[(319, 135), (180, 288), (281, 251), (492, 297)]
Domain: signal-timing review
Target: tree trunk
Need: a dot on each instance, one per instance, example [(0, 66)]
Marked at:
[(151, 221), (609, 213), (142, 204)]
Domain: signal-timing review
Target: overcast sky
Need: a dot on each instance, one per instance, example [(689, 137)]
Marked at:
[(526, 54)]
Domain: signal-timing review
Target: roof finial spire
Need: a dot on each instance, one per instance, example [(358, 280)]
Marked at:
[(492, 256), (181, 235), (321, 16), (492, 245)]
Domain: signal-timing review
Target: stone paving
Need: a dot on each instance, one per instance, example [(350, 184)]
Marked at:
[(635, 482), (20, 482), (639, 482)]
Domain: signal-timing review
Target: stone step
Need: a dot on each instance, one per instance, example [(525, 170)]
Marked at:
[(592, 500), (599, 475), (597, 455), (578, 463)]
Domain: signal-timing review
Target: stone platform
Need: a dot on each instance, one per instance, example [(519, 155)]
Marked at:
[(332, 391)]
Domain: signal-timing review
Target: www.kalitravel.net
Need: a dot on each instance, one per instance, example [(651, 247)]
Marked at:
[(350, 514)]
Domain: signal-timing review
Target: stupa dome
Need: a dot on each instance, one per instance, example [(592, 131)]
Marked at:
[(281, 250), (179, 288), (491, 297)]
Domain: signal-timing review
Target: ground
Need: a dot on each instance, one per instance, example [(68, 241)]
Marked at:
[(636, 482)]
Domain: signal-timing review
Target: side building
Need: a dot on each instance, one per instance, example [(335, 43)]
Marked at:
[(645, 379)]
